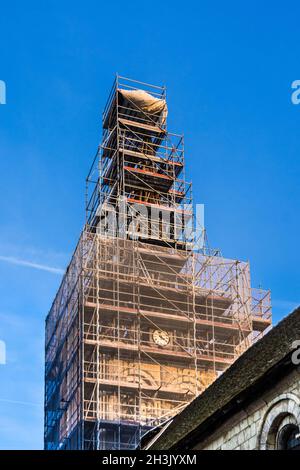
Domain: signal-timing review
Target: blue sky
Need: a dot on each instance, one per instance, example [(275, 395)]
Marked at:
[(228, 67)]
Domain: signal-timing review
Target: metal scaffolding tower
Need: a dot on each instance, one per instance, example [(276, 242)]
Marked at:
[(145, 317)]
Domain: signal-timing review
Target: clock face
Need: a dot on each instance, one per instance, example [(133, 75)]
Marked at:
[(161, 338)]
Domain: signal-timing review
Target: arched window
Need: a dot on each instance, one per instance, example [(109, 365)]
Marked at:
[(288, 438), (280, 428)]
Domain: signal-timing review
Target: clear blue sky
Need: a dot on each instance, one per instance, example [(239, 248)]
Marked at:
[(228, 67)]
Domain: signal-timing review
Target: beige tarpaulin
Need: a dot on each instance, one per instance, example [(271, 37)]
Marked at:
[(146, 102)]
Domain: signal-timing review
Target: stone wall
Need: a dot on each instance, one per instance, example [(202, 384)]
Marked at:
[(258, 425)]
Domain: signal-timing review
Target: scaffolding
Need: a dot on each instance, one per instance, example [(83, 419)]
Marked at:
[(145, 317)]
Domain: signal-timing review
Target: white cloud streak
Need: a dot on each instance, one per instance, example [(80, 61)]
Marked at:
[(17, 402), (31, 264)]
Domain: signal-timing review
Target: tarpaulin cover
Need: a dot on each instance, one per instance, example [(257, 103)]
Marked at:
[(146, 102)]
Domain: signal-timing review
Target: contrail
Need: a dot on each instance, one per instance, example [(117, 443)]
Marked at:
[(30, 264), (16, 402)]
